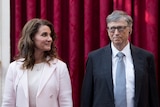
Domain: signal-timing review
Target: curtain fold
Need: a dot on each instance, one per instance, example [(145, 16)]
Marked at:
[(76, 44), (80, 26)]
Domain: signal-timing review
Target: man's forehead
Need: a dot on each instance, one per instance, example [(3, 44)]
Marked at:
[(118, 23)]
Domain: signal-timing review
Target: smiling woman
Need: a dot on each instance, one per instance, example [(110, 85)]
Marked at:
[(37, 68)]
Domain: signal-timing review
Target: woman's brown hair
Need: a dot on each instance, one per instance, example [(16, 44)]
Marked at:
[(26, 43)]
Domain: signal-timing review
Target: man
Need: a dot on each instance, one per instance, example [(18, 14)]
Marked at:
[(103, 86)]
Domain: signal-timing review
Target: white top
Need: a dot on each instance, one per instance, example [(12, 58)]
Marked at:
[(34, 76), (130, 77)]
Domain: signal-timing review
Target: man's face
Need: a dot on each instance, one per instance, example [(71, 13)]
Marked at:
[(119, 32)]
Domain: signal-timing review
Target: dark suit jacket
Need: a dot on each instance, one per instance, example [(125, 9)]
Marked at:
[(97, 88)]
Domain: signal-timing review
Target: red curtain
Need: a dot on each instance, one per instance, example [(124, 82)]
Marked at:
[(81, 27)]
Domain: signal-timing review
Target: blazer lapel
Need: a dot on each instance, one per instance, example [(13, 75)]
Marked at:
[(108, 68), (22, 80), (47, 72), (137, 62)]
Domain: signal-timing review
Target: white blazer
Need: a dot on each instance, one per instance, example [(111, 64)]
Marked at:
[(54, 89)]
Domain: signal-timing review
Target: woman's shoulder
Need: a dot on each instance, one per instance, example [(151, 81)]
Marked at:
[(17, 62), (57, 61)]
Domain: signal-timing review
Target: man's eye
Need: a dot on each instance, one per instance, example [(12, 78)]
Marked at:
[(119, 27), (112, 28)]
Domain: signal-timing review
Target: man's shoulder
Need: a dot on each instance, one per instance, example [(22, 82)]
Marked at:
[(101, 50), (140, 50)]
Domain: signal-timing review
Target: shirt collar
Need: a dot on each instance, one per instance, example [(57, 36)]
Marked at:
[(125, 50)]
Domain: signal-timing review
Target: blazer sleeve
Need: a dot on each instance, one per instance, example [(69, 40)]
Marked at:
[(65, 93), (154, 100), (87, 86), (9, 95)]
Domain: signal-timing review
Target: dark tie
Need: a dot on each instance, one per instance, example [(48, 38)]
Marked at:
[(120, 84)]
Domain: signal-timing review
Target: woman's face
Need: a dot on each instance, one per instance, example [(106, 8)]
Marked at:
[(43, 39)]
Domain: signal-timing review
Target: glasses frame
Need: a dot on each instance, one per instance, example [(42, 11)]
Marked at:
[(119, 28)]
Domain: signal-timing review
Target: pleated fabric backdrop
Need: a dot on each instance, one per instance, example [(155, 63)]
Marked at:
[(81, 27)]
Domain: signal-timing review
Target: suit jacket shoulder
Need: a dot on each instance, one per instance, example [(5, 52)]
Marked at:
[(136, 51), (100, 51)]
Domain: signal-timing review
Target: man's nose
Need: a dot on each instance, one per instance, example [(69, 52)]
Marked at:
[(116, 31)]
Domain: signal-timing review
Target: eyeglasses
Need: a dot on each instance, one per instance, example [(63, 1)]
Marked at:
[(119, 28)]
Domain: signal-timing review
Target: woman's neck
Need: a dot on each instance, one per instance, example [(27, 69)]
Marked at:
[(39, 57)]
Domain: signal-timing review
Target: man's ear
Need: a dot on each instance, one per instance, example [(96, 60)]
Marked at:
[(130, 31)]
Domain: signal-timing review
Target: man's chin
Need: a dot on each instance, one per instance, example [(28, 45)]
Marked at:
[(117, 42)]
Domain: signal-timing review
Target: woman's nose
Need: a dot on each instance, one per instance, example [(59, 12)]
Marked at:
[(49, 38)]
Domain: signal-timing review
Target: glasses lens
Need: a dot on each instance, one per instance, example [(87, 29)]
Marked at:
[(119, 28)]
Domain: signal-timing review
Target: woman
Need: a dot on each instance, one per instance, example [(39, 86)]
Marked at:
[(37, 78)]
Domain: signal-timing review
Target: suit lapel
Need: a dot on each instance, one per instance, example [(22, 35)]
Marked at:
[(137, 62), (108, 68), (47, 72)]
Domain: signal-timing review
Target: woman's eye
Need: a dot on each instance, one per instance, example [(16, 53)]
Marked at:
[(44, 34)]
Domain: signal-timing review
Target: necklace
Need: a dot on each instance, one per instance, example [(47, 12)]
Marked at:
[(38, 67)]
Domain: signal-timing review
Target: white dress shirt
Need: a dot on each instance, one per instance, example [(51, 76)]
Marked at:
[(130, 77)]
